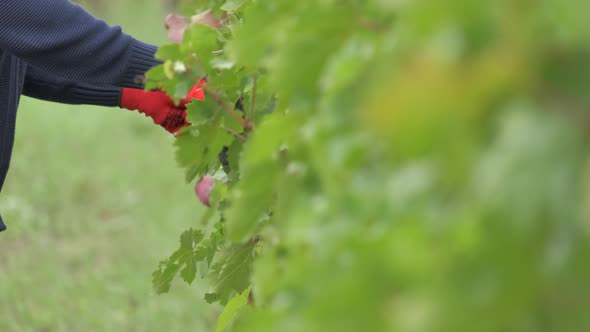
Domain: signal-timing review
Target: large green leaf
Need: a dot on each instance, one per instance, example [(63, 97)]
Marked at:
[(231, 310), (230, 272)]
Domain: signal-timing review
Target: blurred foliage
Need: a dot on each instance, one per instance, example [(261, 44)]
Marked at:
[(409, 165)]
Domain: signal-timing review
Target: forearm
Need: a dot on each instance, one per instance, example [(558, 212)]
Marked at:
[(41, 85), (154, 104), (61, 38)]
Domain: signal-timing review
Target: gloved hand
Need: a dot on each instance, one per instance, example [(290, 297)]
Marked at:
[(157, 105), (160, 107)]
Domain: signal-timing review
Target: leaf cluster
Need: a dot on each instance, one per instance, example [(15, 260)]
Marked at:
[(390, 165)]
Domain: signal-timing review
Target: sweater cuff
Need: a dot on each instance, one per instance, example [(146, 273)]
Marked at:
[(142, 59), (95, 95)]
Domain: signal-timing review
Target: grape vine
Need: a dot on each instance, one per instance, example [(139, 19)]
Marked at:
[(385, 165)]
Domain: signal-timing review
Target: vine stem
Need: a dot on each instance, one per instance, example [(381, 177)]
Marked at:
[(225, 106), (235, 133)]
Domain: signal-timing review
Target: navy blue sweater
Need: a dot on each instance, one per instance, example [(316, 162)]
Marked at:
[(55, 50)]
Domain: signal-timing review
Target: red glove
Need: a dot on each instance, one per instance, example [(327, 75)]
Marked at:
[(161, 108)]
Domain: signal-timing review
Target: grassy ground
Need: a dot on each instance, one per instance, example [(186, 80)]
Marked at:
[(93, 201)]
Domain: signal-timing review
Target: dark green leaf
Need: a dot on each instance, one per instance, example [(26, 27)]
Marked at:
[(230, 272), (202, 111)]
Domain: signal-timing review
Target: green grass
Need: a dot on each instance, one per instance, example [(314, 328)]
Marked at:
[(93, 201)]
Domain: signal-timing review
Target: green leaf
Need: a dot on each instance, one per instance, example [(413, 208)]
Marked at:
[(209, 247), (233, 157), (198, 150), (277, 129), (231, 310), (201, 40), (189, 150), (228, 81), (182, 89), (211, 298), (182, 257), (252, 200), (257, 32), (170, 52), (347, 64), (231, 271), (201, 111), (158, 79), (162, 277), (190, 270), (232, 6), (189, 238)]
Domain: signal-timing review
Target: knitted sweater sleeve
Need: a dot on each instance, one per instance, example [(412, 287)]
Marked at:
[(61, 38), (41, 85)]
